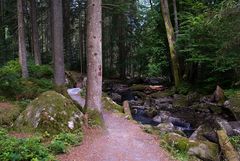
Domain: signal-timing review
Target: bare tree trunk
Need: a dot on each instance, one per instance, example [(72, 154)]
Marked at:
[(58, 55), (35, 35), (171, 42), (94, 55), (175, 18), (21, 40), (67, 32)]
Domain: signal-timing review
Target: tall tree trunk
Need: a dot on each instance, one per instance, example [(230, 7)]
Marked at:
[(175, 18), (35, 35), (94, 54), (171, 42), (121, 46), (67, 32), (58, 55), (21, 40)]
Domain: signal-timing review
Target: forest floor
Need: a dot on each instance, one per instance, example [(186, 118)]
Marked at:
[(121, 140)]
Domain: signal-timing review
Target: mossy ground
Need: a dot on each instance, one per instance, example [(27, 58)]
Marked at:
[(95, 118), (110, 105)]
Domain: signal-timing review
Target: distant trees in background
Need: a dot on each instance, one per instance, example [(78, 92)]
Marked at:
[(134, 40)]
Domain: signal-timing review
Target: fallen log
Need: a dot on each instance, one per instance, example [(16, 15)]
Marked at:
[(227, 148)]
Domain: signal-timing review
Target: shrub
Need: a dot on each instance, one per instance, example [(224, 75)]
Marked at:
[(8, 114), (29, 149), (40, 71), (62, 142), (13, 86)]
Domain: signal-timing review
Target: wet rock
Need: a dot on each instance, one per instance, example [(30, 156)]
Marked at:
[(127, 95), (156, 80), (157, 119), (224, 125), (202, 149), (135, 103), (119, 88), (51, 112), (193, 98), (235, 126), (116, 97), (163, 106), (159, 101), (166, 127), (211, 136), (180, 101), (139, 95), (147, 102), (218, 96), (198, 134), (151, 112)]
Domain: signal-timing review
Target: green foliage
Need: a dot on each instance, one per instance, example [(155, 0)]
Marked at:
[(152, 50), (29, 149), (62, 142), (14, 87), (235, 140), (8, 114), (40, 71), (178, 150), (209, 40)]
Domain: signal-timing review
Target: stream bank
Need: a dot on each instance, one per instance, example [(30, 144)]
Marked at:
[(192, 117)]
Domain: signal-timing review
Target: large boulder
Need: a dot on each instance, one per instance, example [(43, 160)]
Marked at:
[(233, 104), (202, 149), (50, 112)]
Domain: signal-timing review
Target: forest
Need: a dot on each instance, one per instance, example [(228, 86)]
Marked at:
[(119, 80)]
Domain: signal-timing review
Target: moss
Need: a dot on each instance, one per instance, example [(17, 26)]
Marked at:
[(8, 113), (95, 118), (138, 87), (110, 105), (180, 101), (51, 112), (235, 105), (201, 149), (161, 94)]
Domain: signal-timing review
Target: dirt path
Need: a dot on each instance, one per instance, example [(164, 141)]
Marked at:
[(122, 140)]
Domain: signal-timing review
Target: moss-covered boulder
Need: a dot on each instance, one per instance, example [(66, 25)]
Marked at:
[(202, 149), (162, 94), (110, 105), (51, 112), (180, 101), (138, 87), (233, 104)]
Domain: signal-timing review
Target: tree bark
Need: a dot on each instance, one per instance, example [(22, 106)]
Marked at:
[(35, 34), (175, 18), (58, 54), (94, 55), (67, 32), (171, 41), (21, 40)]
